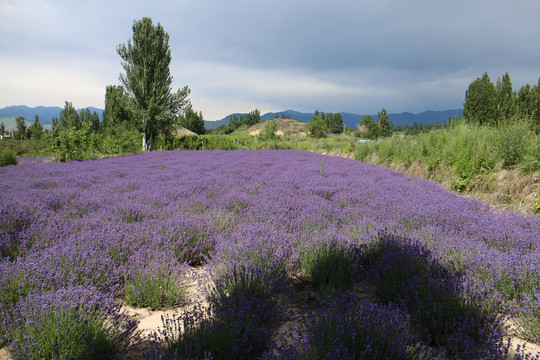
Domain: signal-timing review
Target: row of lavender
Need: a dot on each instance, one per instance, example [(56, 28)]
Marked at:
[(76, 238)]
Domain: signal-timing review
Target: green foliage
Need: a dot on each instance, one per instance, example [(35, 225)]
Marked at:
[(147, 79), (118, 108), (20, 134), (329, 265), (468, 150), (69, 117), (481, 102), (334, 122), (317, 127), (235, 122), (368, 128), (210, 142), (2, 129), (506, 101), (7, 157), (192, 121), (268, 131), (35, 131), (62, 331), (154, 288), (75, 144), (513, 141), (120, 140), (488, 104), (384, 124)]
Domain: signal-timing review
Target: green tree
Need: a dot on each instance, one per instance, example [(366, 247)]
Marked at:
[(526, 101), (192, 121), (36, 129), (20, 134), (268, 132), (385, 125), (317, 126), (371, 129), (69, 118), (536, 110), (336, 124), (147, 80), (89, 119), (506, 102), (2, 129), (481, 102), (252, 118), (118, 109)]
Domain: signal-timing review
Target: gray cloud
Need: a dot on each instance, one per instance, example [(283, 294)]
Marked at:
[(355, 56)]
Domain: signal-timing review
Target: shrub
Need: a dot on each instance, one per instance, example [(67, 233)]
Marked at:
[(317, 127), (7, 157), (342, 327), (512, 143), (154, 286), (329, 265), (443, 312), (69, 323), (237, 327), (268, 131)]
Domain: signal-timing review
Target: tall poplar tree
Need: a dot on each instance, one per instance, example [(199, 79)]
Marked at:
[(36, 129), (117, 108), (506, 100), (481, 102), (20, 134), (69, 118), (385, 125), (147, 80)]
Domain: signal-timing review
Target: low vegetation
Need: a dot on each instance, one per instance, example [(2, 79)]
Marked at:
[(368, 262)]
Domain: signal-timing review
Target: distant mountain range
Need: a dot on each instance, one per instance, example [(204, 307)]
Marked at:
[(352, 120), (47, 113)]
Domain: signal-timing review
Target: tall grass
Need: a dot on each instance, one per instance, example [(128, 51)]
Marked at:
[(467, 150)]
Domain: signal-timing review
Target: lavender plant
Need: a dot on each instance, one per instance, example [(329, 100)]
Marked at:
[(256, 219), (154, 281), (330, 264), (236, 327), (70, 323), (343, 327)]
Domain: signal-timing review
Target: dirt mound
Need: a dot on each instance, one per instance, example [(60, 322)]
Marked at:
[(180, 131), (284, 127)]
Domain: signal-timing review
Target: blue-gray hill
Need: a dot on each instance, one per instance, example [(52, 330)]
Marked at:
[(46, 113), (352, 120)]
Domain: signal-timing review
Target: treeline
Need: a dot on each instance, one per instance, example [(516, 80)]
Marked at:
[(322, 124), (34, 131), (492, 104), (369, 129), (235, 122)]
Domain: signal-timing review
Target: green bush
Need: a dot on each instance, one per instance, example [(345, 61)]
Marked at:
[(268, 131), (468, 150), (7, 157), (329, 265), (154, 287)]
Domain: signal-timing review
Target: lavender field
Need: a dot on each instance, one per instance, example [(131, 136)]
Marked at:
[(303, 256)]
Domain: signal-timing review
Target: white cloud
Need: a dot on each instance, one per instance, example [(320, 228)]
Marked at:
[(239, 55), (27, 82)]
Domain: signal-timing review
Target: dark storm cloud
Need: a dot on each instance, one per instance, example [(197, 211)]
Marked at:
[(355, 56)]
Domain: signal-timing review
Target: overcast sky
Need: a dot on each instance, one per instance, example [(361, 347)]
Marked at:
[(238, 55)]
